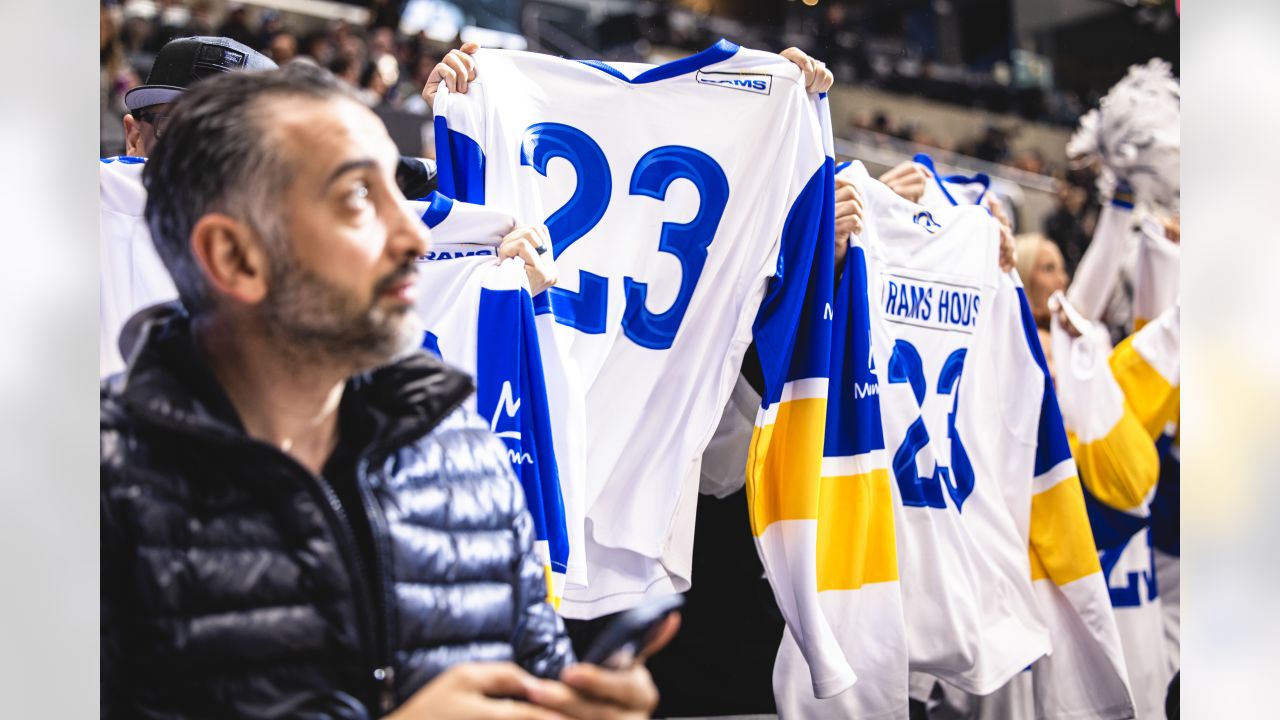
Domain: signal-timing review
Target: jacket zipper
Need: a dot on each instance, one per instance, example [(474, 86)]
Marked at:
[(384, 669)]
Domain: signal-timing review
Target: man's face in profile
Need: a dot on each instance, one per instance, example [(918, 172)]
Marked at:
[(342, 279)]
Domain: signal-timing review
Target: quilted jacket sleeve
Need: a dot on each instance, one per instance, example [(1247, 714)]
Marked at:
[(541, 644)]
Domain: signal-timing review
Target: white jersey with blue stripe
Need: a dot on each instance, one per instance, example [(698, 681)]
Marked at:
[(480, 317), (986, 466), (971, 614), (130, 273), (690, 207)]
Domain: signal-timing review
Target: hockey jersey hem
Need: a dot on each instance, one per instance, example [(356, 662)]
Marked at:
[(992, 680)]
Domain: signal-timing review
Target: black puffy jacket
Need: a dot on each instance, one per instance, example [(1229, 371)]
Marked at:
[(232, 584)]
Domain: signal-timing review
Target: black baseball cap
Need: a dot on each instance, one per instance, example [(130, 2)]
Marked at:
[(183, 61)]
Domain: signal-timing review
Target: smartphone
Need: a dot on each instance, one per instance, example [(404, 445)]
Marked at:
[(625, 636)]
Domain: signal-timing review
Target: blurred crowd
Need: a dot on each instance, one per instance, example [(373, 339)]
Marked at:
[(387, 69)]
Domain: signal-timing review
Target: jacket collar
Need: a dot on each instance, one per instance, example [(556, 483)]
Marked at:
[(168, 383)]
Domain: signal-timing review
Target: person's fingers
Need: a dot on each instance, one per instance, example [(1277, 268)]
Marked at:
[(895, 172), (561, 698), (469, 48), (516, 710), (467, 61), (495, 679), (458, 64), (630, 688), (857, 225), (825, 79), (447, 75), (524, 244)]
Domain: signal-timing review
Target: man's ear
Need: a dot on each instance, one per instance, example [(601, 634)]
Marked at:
[(232, 257), (133, 136)]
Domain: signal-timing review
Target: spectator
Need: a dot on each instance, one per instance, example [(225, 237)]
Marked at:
[(1072, 221), (283, 48), (180, 63), (297, 518), (1042, 272)]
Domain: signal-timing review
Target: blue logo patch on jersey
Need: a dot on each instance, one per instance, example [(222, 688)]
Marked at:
[(925, 220), (759, 83)]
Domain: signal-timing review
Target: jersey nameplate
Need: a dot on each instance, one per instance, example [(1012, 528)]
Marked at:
[(930, 303), (759, 83)]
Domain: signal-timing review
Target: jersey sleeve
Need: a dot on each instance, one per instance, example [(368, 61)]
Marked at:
[(1099, 267), (1155, 274), (511, 391), (1117, 461), (792, 333), (1086, 675), (1146, 365)]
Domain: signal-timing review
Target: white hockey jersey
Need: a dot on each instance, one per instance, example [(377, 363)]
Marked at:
[(691, 211), (480, 317), (970, 611), (130, 273), (988, 489)]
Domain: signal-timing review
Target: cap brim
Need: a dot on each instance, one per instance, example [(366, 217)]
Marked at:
[(147, 95)]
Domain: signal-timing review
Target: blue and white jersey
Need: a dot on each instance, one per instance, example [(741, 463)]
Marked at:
[(130, 273), (691, 209), (480, 317), (997, 559)]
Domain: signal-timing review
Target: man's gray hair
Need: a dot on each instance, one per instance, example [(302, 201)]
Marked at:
[(216, 155)]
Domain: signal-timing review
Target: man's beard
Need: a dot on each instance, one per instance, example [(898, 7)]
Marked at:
[(313, 320)]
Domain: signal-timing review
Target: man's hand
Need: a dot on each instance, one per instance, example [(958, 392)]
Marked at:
[(907, 180), (531, 243), (476, 691), (817, 78), (588, 692), (456, 70), (849, 210)]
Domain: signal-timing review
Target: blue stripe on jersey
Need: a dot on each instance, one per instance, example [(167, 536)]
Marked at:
[(459, 164), (841, 166), (794, 307), (1166, 506), (1111, 528), (123, 160), (982, 179), (853, 400), (438, 209), (721, 51), (511, 393), (542, 303), (1051, 446)]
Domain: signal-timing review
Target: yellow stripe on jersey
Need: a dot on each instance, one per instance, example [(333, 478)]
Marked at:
[(856, 543), (785, 463), (1153, 399), (551, 589), (1062, 547), (1120, 469)]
